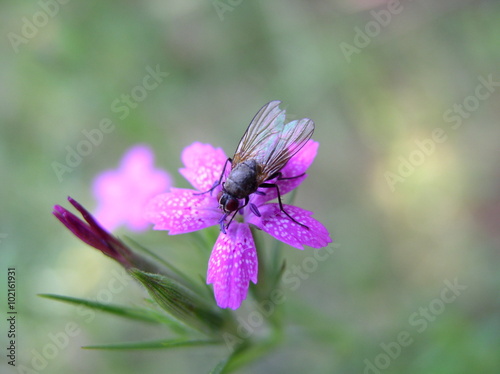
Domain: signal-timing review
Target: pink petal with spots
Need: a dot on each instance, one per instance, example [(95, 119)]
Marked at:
[(232, 265), (279, 225), (181, 211), (203, 165), (297, 165), (270, 193)]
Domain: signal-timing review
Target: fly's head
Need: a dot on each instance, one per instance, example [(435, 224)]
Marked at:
[(227, 202)]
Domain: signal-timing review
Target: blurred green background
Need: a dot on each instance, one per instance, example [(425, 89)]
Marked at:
[(379, 80)]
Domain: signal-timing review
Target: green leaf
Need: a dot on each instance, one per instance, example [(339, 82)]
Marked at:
[(143, 315), (219, 368), (171, 271), (158, 344), (182, 303)]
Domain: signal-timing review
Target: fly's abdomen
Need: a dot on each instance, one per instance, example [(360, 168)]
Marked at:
[(242, 181)]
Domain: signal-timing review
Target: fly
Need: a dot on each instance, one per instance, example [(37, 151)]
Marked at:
[(265, 148)]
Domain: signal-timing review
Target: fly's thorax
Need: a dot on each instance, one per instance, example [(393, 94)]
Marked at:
[(243, 179)]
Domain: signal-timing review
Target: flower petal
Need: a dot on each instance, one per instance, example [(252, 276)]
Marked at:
[(136, 159), (91, 233), (181, 211), (123, 193), (297, 165), (232, 265), (279, 225), (204, 164)]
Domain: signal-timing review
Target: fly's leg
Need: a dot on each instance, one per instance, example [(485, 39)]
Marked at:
[(273, 185), (216, 183), (223, 218), (280, 176)]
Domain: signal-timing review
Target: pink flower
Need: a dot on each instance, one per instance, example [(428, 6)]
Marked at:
[(122, 194), (233, 262)]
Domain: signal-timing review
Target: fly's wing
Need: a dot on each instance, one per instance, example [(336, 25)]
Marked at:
[(292, 138), (270, 141), (261, 131)]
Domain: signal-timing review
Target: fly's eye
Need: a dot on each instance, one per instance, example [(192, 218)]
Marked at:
[(231, 204), (222, 198), (227, 203)]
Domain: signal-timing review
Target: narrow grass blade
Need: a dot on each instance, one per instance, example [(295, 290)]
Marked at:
[(158, 344), (137, 314)]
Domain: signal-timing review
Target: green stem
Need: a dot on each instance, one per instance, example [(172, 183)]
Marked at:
[(252, 352)]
